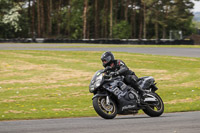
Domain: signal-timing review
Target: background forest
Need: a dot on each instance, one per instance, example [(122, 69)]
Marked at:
[(86, 19)]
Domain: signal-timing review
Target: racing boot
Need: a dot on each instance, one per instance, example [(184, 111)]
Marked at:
[(142, 93)]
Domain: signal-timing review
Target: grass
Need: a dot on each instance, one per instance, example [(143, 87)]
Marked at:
[(54, 84)]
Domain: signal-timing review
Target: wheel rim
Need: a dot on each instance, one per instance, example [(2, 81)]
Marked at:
[(107, 109), (157, 107)]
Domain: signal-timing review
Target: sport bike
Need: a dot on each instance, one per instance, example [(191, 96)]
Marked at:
[(112, 96)]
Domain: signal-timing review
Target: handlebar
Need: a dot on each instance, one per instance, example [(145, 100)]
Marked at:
[(110, 76), (107, 68)]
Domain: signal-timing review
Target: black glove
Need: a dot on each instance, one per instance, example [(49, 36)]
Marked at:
[(107, 69), (114, 73)]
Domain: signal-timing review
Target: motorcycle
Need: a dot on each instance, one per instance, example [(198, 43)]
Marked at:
[(112, 96)]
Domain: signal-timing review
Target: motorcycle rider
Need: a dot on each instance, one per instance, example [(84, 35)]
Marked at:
[(119, 68)]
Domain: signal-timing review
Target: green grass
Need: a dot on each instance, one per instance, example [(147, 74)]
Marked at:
[(54, 84)]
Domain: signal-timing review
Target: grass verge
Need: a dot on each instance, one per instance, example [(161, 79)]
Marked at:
[(54, 84)]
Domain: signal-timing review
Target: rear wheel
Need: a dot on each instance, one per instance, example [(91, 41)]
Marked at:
[(155, 109), (104, 110)]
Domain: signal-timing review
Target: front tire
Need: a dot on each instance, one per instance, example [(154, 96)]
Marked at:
[(104, 110), (155, 109)]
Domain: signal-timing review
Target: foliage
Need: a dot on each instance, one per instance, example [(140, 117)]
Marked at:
[(58, 18), (76, 21), (12, 18), (122, 30)]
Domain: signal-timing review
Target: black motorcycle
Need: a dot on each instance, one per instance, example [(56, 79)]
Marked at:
[(112, 96)]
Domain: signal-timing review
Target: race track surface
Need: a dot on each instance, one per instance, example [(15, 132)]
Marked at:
[(185, 52), (188, 122)]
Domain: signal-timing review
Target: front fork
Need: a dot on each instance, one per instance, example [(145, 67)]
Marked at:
[(107, 100)]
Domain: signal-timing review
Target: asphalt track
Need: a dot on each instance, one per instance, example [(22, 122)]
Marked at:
[(187, 122), (185, 52)]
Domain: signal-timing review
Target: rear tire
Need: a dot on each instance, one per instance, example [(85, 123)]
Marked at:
[(103, 110), (155, 110)]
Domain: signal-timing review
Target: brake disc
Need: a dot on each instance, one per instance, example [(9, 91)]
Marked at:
[(105, 106)]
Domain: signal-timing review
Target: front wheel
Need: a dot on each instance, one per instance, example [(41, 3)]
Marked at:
[(104, 110), (154, 109)]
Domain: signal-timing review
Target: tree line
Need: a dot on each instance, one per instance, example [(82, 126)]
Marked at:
[(86, 19)]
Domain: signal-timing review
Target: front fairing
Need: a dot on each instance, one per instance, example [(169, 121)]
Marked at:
[(96, 81)]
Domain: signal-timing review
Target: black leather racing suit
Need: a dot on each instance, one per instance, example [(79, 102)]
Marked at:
[(130, 78)]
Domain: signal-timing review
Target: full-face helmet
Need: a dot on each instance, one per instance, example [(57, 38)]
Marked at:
[(107, 58)]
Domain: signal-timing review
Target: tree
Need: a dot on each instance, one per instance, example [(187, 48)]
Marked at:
[(122, 30), (111, 18), (33, 20), (96, 31), (85, 18), (12, 18), (38, 19), (49, 17)]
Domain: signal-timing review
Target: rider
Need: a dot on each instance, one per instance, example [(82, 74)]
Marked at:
[(118, 67)]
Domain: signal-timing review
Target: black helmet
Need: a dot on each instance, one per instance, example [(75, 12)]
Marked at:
[(107, 58)]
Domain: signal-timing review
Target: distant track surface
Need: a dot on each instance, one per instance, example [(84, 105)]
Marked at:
[(187, 122), (185, 52)]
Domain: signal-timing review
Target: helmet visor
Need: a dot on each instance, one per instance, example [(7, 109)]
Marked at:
[(106, 59)]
